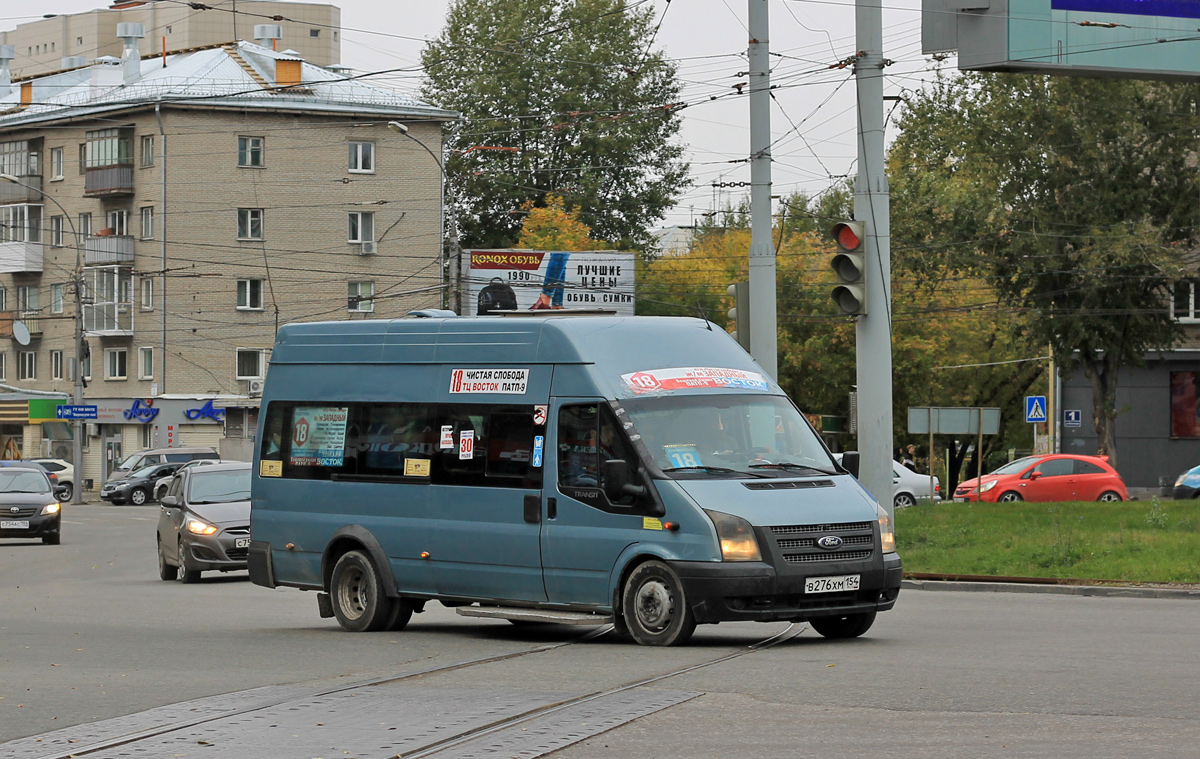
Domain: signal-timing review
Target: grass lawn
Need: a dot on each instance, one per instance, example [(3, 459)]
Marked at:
[(1137, 541)]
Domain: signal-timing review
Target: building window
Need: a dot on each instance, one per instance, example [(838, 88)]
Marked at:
[(27, 365), (147, 150), (106, 147), (1184, 307), (360, 297), (56, 365), (86, 363), (249, 363), (168, 30), (250, 224), (20, 223), (4, 367), (85, 225), (56, 298), (115, 360), (147, 434), (362, 226), (147, 222), (249, 294), (145, 363), (56, 164), (27, 299), (147, 294), (250, 151), (362, 157), (17, 159), (3, 299), (109, 290), (314, 32), (57, 231), (118, 222)]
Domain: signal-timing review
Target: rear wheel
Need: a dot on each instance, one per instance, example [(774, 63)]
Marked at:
[(356, 590), (904, 500), (182, 572), (165, 571), (848, 626), (1010, 497), (654, 607), (1109, 495)]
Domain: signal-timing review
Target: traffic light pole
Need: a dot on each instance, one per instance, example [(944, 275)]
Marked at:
[(763, 336), (871, 198)]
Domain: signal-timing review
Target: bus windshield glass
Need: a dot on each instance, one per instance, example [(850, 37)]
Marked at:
[(702, 436)]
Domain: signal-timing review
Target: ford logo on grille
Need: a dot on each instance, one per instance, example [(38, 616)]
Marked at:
[(829, 542)]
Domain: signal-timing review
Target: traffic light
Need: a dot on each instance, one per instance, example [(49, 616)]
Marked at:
[(850, 265), (740, 313)]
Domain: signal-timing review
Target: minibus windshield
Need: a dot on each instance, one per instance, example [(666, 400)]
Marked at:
[(722, 435)]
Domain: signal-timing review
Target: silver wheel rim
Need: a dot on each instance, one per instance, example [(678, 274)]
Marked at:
[(1109, 497), (654, 605), (181, 570), (353, 593), (1008, 498), (138, 497), (162, 560), (903, 501)]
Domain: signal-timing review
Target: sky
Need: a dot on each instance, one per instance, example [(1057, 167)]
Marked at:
[(812, 122)]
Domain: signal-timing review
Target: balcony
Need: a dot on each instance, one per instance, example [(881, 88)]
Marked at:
[(20, 257), (108, 301), (108, 320), (108, 181), (28, 318), (28, 191), (108, 249)]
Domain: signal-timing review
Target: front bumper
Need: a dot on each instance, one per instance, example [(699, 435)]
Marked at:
[(40, 526), (1184, 493), (753, 591), (216, 552)]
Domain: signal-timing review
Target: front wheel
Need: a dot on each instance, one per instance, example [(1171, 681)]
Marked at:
[(654, 607), (848, 626), (182, 572), (52, 540), (68, 490), (904, 500), (137, 496), (1010, 497), (1109, 495), (356, 590)]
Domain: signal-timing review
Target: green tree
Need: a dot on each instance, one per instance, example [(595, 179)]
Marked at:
[(1067, 196), (576, 88)]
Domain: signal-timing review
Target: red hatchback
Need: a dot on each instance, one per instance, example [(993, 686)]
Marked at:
[(1057, 477)]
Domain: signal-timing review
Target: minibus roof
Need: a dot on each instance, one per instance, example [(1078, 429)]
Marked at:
[(614, 346)]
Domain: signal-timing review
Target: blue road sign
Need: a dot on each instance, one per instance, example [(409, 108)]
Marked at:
[(1035, 408), (75, 412), (1073, 418)]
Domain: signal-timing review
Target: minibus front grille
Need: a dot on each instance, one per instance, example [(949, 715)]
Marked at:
[(808, 529), (805, 558), (852, 540), (787, 484)]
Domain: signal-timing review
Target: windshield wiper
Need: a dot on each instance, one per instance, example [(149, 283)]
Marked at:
[(789, 465), (700, 467)]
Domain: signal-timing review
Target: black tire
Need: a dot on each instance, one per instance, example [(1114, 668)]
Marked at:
[(356, 589), (654, 606), (402, 611), (159, 493), (1010, 497), (68, 490), (166, 572), (52, 540), (1109, 495), (182, 572), (138, 496), (848, 626), (904, 500)]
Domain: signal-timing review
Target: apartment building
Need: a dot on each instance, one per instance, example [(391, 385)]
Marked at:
[(209, 197), (310, 29)]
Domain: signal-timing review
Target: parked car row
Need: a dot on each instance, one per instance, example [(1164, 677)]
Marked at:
[(140, 476)]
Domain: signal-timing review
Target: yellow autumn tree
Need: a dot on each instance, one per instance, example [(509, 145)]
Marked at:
[(555, 227)]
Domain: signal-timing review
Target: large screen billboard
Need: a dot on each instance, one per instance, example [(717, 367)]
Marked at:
[(530, 280)]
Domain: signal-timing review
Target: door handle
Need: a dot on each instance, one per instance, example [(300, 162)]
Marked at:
[(533, 509), (551, 508)]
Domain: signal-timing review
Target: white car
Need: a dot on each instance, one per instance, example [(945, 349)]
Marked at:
[(908, 486), (61, 469), (160, 487)]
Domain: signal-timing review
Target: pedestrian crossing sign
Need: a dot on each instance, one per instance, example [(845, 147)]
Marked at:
[(1035, 408)]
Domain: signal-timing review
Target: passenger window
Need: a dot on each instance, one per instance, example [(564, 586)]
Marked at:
[(511, 445), (272, 442), (1056, 467), (393, 434), (468, 437), (1087, 467), (314, 442)]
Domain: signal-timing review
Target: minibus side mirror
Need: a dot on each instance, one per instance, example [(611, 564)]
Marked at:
[(850, 462), (617, 483)]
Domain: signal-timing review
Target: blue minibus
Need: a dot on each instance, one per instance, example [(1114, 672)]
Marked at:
[(638, 471)]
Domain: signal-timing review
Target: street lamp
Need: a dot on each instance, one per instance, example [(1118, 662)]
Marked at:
[(77, 394), (454, 251)]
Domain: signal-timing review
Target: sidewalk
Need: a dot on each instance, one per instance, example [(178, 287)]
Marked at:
[(1110, 591)]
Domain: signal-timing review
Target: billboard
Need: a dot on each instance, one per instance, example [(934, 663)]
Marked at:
[(1139, 39), (530, 280)]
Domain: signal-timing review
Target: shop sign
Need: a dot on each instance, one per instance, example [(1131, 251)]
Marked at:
[(141, 411), (205, 412)]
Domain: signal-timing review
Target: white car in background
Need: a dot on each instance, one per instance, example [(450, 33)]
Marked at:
[(908, 486), (61, 469), (160, 487)]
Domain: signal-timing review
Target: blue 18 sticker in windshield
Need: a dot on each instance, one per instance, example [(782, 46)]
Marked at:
[(683, 456)]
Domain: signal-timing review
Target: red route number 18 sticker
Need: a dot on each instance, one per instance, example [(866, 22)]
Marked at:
[(642, 381), (466, 444)]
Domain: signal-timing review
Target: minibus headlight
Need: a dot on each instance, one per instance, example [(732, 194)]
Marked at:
[(887, 536), (737, 537)]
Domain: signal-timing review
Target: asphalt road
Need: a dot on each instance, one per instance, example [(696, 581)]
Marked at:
[(89, 632)]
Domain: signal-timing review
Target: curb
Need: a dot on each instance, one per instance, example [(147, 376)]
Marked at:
[(1105, 591)]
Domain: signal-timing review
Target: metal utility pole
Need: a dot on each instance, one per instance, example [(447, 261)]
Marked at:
[(871, 199), (763, 333)]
